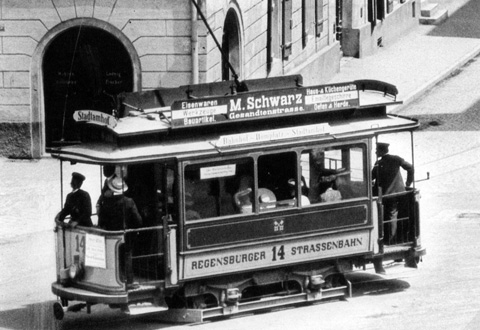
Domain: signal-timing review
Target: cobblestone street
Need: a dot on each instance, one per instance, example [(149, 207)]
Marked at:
[(29, 196)]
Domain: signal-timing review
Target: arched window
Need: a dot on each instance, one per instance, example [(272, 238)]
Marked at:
[(231, 45), (83, 68)]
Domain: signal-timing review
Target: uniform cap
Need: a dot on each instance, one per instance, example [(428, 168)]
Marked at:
[(382, 146), (78, 176)]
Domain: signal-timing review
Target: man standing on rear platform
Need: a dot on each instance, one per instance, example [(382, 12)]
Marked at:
[(387, 176), (78, 204)]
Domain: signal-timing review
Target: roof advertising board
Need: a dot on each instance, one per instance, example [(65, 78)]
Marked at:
[(264, 104)]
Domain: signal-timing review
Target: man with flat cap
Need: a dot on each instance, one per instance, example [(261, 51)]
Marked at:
[(78, 204), (387, 176)]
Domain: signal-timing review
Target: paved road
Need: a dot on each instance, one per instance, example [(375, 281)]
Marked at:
[(441, 294)]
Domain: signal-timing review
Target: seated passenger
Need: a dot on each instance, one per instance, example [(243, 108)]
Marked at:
[(331, 195), (117, 211), (243, 197), (304, 191), (267, 199), (190, 213)]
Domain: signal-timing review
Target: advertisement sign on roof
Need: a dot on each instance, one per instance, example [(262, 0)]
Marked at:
[(264, 104)]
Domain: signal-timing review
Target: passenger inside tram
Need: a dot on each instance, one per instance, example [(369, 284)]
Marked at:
[(304, 191), (275, 172), (330, 194), (244, 195), (219, 189), (335, 173)]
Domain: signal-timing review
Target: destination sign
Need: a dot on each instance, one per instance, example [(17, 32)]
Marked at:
[(283, 253), (95, 117), (264, 104)]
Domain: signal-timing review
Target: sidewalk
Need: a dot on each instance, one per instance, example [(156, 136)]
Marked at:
[(416, 62)]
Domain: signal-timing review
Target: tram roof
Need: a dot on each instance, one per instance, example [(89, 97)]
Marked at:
[(252, 120)]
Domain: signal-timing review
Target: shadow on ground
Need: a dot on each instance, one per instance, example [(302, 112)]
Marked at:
[(461, 24), (35, 316), (40, 317), (372, 284)]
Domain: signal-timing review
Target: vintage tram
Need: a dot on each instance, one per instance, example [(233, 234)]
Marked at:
[(248, 199)]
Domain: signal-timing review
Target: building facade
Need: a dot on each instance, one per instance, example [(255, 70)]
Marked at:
[(58, 56), (369, 24)]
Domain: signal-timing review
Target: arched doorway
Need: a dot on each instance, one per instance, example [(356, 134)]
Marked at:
[(83, 68), (231, 45)]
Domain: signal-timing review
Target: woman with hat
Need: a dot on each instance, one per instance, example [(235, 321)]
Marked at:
[(78, 204)]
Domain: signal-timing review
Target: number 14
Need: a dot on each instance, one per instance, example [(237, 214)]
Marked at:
[(280, 253)]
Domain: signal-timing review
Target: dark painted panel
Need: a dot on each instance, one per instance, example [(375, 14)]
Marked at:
[(274, 226)]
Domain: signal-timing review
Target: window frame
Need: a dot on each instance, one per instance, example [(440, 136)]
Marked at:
[(365, 164), (255, 159)]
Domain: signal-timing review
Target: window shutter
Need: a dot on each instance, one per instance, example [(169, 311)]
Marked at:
[(318, 17), (372, 12), (381, 9), (287, 28)]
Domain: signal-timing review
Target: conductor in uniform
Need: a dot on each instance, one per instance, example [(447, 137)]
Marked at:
[(78, 204)]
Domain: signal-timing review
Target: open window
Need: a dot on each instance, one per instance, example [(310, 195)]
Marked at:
[(277, 180), (335, 173)]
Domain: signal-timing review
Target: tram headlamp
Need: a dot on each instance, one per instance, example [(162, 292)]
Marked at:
[(418, 241), (75, 271), (418, 196), (315, 282), (233, 295)]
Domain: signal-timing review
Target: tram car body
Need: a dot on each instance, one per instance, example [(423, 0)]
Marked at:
[(231, 188)]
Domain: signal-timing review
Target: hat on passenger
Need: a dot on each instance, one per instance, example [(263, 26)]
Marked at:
[(266, 195), (78, 176), (116, 184)]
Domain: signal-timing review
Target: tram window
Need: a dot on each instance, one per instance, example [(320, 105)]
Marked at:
[(335, 173), (277, 184), (219, 189)]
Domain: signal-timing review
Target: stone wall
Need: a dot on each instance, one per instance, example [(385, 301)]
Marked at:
[(158, 37)]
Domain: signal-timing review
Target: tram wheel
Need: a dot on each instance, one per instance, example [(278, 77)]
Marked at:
[(176, 301), (58, 311), (333, 281), (203, 301)]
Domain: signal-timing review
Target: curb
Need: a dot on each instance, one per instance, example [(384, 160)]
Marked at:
[(432, 83)]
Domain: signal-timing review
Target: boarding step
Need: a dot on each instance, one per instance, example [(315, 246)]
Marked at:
[(143, 308), (396, 248), (429, 9), (200, 315)]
